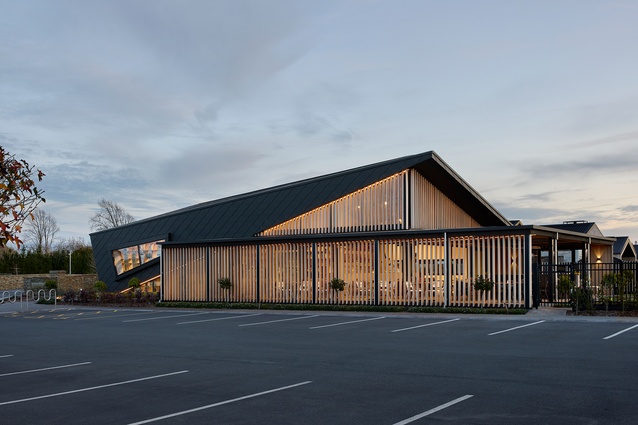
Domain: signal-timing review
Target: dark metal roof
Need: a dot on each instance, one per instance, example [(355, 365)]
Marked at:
[(623, 247), (579, 227), (243, 216)]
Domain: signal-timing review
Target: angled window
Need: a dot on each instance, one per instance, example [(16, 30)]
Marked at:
[(131, 257)]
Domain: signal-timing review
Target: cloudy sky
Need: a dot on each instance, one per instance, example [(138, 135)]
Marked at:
[(160, 104)]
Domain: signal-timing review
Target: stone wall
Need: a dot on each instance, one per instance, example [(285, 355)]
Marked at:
[(36, 281)]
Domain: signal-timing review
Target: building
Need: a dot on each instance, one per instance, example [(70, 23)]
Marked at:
[(624, 250), (408, 231)]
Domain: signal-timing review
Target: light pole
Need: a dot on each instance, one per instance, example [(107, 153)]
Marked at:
[(70, 252)]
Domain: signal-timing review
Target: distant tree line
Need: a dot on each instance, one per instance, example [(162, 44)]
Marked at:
[(39, 262)]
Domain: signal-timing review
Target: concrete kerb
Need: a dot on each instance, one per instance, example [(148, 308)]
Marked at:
[(542, 313)]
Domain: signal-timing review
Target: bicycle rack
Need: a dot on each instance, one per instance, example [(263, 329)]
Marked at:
[(13, 297)]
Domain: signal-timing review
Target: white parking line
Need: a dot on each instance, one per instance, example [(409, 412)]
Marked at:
[(346, 323), (280, 320), (422, 326), (518, 327), (209, 406), (220, 318), (115, 314), (618, 333), (45, 368), (164, 317), (436, 409), (91, 388), (6, 355)]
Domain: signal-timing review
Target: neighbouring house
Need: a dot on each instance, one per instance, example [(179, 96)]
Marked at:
[(408, 231), (624, 250)]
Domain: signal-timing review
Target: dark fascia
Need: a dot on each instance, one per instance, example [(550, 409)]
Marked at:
[(385, 234), (582, 237), (128, 244), (404, 234), (444, 178)]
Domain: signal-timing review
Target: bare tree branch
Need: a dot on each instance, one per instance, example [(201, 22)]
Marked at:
[(41, 231), (110, 215)]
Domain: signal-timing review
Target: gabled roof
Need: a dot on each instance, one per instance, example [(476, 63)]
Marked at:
[(243, 216), (623, 248), (579, 227)]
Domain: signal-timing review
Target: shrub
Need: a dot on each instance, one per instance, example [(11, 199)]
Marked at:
[(582, 299), (225, 282), (565, 285), (134, 283), (69, 296), (337, 284), (100, 286), (483, 284), (51, 284)]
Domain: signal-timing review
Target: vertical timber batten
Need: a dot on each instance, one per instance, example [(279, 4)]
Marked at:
[(258, 274), (376, 272), (446, 280), (314, 273), (528, 270)]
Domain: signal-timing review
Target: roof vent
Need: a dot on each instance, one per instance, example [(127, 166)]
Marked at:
[(575, 221)]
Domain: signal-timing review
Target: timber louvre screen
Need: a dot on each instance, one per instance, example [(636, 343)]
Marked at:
[(239, 264), (352, 261), (285, 273), (411, 272), (499, 258), (184, 275), (379, 206)]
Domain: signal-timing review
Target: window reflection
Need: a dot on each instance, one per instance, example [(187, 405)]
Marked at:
[(128, 258)]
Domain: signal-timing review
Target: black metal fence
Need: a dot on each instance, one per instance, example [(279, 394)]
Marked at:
[(612, 284)]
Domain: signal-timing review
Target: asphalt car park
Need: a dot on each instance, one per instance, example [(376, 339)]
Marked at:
[(132, 366)]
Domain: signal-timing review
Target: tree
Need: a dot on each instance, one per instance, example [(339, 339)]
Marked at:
[(483, 285), (19, 196), (110, 215), (73, 244), (41, 231)]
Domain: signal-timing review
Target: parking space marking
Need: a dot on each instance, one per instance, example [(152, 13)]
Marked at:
[(347, 323), (427, 324), (115, 314), (219, 318), (436, 409), (44, 368), (221, 403), (5, 356), (280, 320), (621, 332), (92, 388), (164, 317), (517, 327)]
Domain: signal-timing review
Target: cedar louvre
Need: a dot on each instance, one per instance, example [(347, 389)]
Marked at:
[(412, 272), (381, 206)]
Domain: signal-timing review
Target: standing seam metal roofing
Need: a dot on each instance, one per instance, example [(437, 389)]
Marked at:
[(243, 216)]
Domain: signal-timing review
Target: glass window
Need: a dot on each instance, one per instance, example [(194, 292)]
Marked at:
[(128, 258)]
